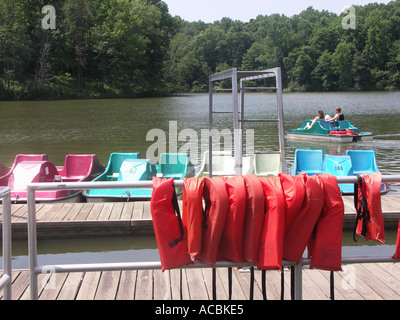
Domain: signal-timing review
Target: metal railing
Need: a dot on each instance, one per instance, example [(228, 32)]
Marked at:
[(6, 278), (35, 269)]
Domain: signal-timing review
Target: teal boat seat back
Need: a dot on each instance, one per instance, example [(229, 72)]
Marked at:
[(116, 160), (308, 161), (268, 164), (173, 165), (344, 124), (136, 170), (338, 165), (326, 125), (363, 161)]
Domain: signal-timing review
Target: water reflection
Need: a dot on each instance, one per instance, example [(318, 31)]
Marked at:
[(87, 250), (144, 249)]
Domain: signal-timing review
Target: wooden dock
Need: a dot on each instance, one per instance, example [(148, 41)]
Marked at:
[(132, 218), (372, 281)]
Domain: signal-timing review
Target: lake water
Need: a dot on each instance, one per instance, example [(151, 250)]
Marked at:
[(144, 249), (58, 128)]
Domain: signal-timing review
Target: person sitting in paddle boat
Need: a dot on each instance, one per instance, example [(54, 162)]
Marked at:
[(338, 116), (321, 118)]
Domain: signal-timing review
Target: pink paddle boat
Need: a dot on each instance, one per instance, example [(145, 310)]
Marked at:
[(36, 168)]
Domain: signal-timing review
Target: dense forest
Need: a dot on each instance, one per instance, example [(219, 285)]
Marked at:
[(135, 48)]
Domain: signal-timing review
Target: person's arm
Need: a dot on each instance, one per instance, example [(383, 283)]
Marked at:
[(314, 121), (336, 117)]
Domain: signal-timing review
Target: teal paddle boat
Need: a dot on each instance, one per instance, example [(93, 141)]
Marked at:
[(353, 163), (336, 131), (128, 167)]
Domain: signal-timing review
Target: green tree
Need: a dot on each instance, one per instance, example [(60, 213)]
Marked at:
[(261, 56), (342, 65), (323, 74), (15, 45), (300, 64), (79, 21)]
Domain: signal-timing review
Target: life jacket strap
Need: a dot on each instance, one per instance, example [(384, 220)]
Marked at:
[(205, 211), (178, 215), (361, 206)]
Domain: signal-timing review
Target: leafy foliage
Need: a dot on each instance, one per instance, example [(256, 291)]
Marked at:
[(133, 48)]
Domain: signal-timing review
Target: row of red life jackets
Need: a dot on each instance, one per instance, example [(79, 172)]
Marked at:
[(260, 220)]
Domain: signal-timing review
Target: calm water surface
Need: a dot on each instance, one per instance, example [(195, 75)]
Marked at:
[(144, 249)]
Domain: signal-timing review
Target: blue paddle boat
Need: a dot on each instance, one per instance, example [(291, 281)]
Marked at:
[(128, 167), (354, 162)]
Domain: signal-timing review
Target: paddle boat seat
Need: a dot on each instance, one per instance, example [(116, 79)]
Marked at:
[(355, 162), (173, 165), (364, 161), (308, 161), (137, 170), (32, 171), (79, 166), (340, 166), (18, 159), (224, 165), (114, 164), (267, 164)]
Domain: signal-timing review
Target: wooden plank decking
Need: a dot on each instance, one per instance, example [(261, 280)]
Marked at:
[(355, 282)]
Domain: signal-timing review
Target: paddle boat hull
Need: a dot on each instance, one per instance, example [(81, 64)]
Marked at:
[(36, 168), (338, 131), (128, 167), (353, 163)]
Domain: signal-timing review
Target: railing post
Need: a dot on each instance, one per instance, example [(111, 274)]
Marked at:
[(7, 254), (298, 281), (32, 242)]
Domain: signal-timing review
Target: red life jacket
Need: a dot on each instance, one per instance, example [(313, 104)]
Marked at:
[(325, 246), (294, 192), (192, 213), (367, 195), (271, 242), (254, 218), (397, 253), (168, 227), (300, 231), (217, 207), (231, 243)]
